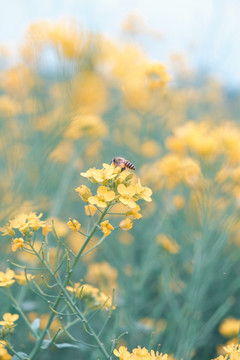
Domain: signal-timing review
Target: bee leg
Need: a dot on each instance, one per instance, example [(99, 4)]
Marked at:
[(123, 168)]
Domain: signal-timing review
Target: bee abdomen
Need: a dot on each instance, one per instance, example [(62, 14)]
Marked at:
[(130, 165)]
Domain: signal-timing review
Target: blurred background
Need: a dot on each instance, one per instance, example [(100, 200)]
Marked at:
[(156, 83), (206, 32)]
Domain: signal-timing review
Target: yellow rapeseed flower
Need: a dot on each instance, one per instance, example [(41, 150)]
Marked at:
[(230, 327), (126, 195), (7, 279), (84, 192), (17, 243), (4, 355), (21, 278), (134, 212), (7, 230), (101, 176), (74, 224), (92, 296), (8, 320), (90, 210), (122, 353), (126, 224), (168, 243), (106, 227), (46, 229), (143, 192), (103, 196)]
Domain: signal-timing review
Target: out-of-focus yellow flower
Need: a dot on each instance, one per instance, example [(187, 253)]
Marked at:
[(7, 279), (143, 192), (150, 148), (62, 152), (8, 107), (90, 210), (86, 125), (55, 325), (73, 225), (17, 243), (103, 197), (126, 224), (103, 275), (7, 230), (157, 76), (106, 227), (26, 223), (230, 327), (84, 192), (179, 201), (168, 243), (134, 212), (46, 229), (125, 238), (18, 80), (21, 278), (8, 320), (93, 297), (126, 195), (4, 355), (60, 227)]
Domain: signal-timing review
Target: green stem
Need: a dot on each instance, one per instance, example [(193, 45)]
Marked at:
[(18, 308), (62, 286)]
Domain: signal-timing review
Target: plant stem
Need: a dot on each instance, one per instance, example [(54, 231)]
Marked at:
[(62, 286)]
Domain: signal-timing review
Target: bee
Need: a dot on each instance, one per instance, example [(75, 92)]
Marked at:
[(122, 163)]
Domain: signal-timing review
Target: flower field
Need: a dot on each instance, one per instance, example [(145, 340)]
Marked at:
[(98, 260)]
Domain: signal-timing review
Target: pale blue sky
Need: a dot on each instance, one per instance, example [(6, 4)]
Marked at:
[(209, 30)]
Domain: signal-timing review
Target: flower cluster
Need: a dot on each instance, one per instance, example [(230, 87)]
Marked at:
[(9, 277), (116, 187), (93, 297), (26, 224), (139, 353), (232, 353), (8, 320)]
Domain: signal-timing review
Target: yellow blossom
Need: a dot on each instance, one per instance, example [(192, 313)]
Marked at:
[(101, 175), (122, 353), (90, 210), (158, 356), (150, 148), (126, 224), (93, 297), (229, 327), (7, 230), (74, 224), (168, 243), (7, 279), (106, 227), (126, 195), (84, 192), (21, 278), (46, 229), (4, 355), (103, 196), (18, 243), (143, 192), (140, 353), (134, 212), (9, 320)]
